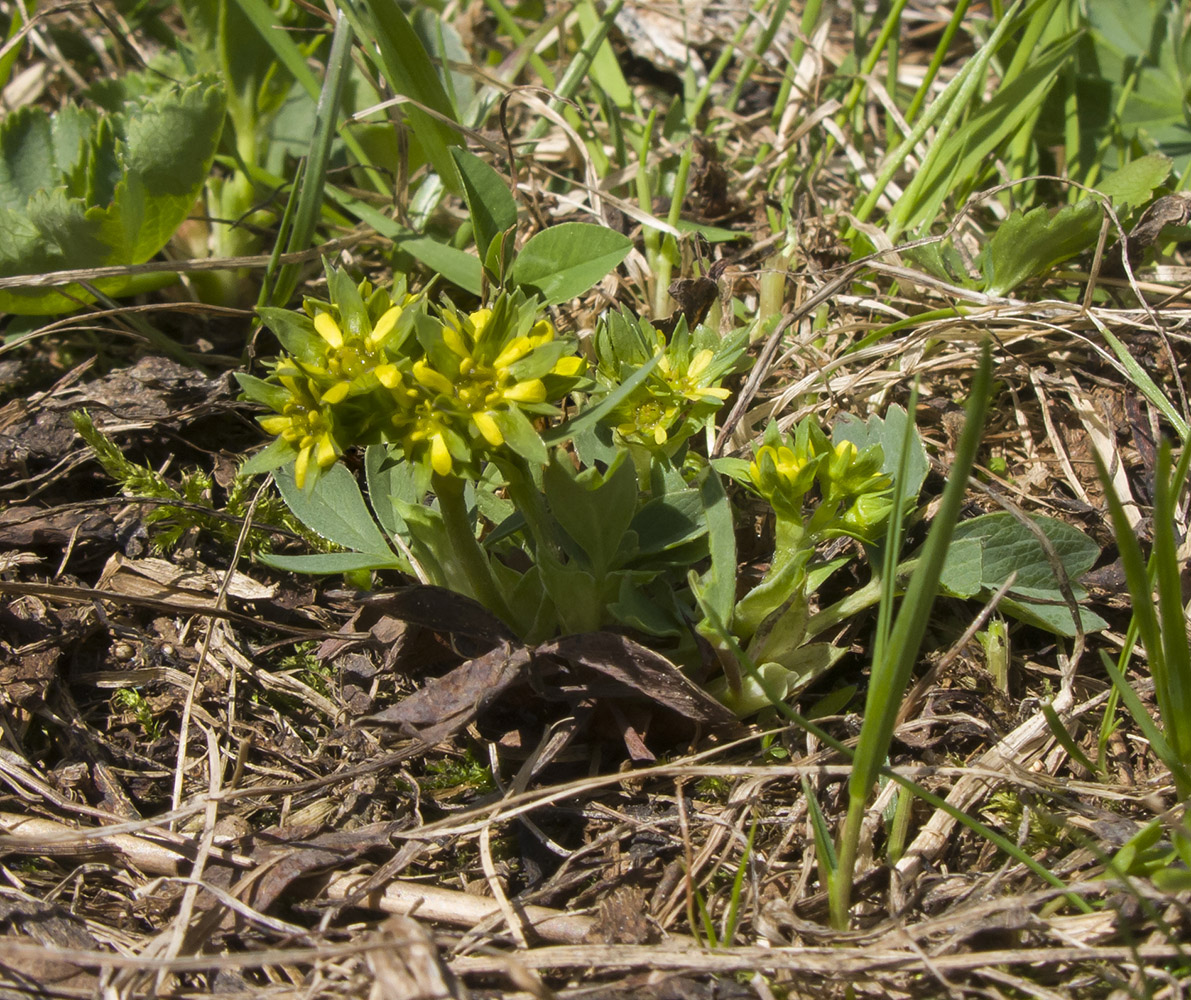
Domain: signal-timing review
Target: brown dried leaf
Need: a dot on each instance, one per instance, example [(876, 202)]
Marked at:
[(292, 853), (448, 703), (162, 580), (614, 665)]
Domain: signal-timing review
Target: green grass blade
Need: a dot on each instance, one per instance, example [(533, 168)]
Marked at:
[(1174, 698), (314, 174), (577, 70), (936, 63), (891, 673), (946, 109), (409, 71), (1140, 378), (1073, 749), (1149, 729)]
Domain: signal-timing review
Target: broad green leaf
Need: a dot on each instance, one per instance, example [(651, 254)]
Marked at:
[(334, 508), (1137, 59), (1029, 245), (117, 202), (1135, 183), (489, 203), (564, 261), (986, 550), (667, 522), (718, 584)]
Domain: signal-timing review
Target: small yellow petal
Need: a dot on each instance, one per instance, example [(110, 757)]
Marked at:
[(713, 392), (699, 364), (326, 451), (440, 455), (542, 333), (384, 325), (659, 435), (300, 467), (328, 329), (388, 375), (337, 393), (514, 351), (532, 391), (569, 367), (479, 321), (488, 428), (453, 337), (433, 380), (274, 425)]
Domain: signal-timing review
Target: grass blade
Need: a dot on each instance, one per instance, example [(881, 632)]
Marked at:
[(891, 672)]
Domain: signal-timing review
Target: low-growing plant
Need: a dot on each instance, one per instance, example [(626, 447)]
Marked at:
[(177, 510), (132, 700), (576, 520)]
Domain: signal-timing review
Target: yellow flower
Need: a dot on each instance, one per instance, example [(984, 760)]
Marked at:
[(488, 428), (328, 329)]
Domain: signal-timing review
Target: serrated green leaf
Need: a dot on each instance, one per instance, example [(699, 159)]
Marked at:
[(564, 261), (1135, 183), (82, 190), (1026, 246)]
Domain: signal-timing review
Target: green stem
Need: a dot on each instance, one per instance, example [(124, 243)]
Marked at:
[(531, 505), (473, 559)]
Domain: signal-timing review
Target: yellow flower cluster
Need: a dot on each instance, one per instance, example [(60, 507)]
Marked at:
[(449, 389)]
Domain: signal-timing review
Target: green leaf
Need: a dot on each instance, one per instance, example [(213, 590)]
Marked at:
[(1135, 183), (718, 585), (390, 478), (520, 435), (456, 266), (564, 261), (333, 562), (334, 508), (1029, 245), (667, 522), (594, 509), (889, 432), (81, 190), (277, 454), (489, 203), (986, 550)]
